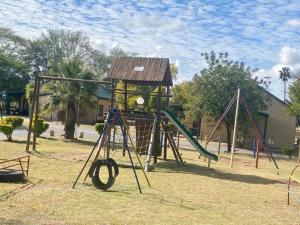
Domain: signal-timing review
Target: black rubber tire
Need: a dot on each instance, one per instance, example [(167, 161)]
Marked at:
[(115, 165), (11, 176), (95, 175)]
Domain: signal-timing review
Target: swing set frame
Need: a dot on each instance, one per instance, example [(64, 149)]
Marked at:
[(35, 107), (239, 98)]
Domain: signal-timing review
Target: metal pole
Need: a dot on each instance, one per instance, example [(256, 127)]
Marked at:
[(31, 116), (235, 127)]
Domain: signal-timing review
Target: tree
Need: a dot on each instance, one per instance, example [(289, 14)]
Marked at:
[(68, 54), (14, 74), (294, 93), (70, 96), (12, 44), (181, 95), (284, 75), (212, 89)]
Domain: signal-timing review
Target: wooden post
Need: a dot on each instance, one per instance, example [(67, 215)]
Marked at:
[(219, 146), (37, 96), (235, 127), (299, 155), (125, 97), (205, 145), (178, 139), (31, 116), (198, 129), (112, 96), (157, 136), (165, 138), (205, 142), (152, 144), (257, 154), (125, 109)]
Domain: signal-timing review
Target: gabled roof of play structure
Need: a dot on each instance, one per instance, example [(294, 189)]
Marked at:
[(141, 70)]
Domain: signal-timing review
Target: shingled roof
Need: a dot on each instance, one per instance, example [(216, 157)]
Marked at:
[(141, 70)]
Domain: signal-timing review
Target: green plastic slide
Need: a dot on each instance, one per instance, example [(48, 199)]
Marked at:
[(189, 136)]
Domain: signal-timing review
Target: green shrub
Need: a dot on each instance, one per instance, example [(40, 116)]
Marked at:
[(14, 121), (172, 129), (41, 126), (9, 124), (289, 151), (99, 127), (6, 129)]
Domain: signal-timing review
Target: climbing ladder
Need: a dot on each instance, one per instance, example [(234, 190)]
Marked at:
[(173, 146)]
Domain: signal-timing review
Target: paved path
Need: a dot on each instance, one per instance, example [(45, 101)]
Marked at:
[(91, 135)]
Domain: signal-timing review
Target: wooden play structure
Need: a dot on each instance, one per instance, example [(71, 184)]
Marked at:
[(151, 136)]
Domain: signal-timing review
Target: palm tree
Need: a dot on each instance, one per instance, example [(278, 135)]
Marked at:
[(69, 97), (285, 75)]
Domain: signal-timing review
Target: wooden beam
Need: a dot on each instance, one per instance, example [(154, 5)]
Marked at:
[(37, 96), (74, 79), (31, 115), (235, 127)]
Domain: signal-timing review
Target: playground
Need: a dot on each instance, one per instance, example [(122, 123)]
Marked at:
[(135, 172), (193, 194)]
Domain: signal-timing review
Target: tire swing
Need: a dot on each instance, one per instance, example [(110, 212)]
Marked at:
[(113, 172)]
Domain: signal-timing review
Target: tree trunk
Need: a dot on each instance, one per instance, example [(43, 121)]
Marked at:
[(228, 130), (70, 120), (9, 137)]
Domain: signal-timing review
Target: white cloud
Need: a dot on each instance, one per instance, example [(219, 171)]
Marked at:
[(293, 22), (289, 56), (177, 63), (249, 31)]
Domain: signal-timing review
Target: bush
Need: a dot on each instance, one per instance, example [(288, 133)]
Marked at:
[(289, 151), (99, 127), (41, 126), (172, 129), (14, 121), (9, 124), (7, 130)]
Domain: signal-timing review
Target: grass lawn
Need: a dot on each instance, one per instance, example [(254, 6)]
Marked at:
[(193, 194)]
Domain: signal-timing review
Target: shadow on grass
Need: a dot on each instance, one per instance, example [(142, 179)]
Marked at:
[(16, 141), (76, 141), (81, 142), (26, 185), (170, 167)]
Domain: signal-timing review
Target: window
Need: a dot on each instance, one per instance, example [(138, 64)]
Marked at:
[(138, 68)]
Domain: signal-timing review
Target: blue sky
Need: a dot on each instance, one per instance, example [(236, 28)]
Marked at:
[(263, 34)]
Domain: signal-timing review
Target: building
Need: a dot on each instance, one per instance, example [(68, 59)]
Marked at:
[(89, 115), (15, 103), (277, 126)]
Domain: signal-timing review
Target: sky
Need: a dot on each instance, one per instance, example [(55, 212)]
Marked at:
[(264, 34)]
